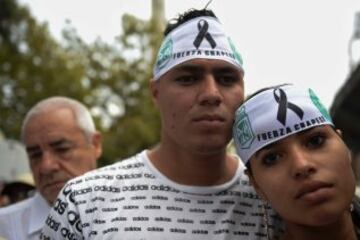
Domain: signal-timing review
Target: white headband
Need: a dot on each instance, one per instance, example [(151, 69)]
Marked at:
[(201, 37), (275, 114)]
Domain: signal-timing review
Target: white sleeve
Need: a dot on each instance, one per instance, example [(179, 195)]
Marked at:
[(63, 221)]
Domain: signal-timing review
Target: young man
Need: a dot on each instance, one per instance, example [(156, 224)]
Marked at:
[(61, 142), (187, 187)]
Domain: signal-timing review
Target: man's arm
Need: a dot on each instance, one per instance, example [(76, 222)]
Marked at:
[(63, 221)]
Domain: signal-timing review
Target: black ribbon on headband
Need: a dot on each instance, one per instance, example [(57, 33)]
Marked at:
[(281, 99), (203, 27)]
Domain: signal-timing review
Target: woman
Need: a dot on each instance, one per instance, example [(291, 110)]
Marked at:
[(297, 162)]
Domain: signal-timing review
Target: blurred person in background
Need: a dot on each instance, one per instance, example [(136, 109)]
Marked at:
[(19, 189), (17, 182), (61, 143), (4, 200)]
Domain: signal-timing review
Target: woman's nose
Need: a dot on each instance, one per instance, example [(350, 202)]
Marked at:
[(303, 164)]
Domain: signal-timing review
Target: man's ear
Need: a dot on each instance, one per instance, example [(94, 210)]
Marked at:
[(154, 90), (96, 141), (256, 186)]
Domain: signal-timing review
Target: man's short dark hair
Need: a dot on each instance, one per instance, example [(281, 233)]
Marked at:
[(186, 16)]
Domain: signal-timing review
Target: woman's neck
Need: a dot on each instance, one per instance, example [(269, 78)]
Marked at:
[(343, 229)]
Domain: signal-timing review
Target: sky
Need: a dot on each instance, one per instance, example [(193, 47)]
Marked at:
[(304, 42)]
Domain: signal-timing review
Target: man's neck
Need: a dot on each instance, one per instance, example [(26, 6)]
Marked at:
[(194, 168)]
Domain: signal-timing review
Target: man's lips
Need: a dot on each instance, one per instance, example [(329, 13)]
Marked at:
[(53, 184), (209, 118), (311, 187)]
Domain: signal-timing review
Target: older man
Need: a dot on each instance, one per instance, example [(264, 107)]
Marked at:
[(61, 142)]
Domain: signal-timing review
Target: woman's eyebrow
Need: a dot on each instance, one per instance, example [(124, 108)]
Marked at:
[(267, 147)]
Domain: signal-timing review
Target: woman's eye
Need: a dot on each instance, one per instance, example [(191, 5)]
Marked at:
[(315, 141), (270, 159)]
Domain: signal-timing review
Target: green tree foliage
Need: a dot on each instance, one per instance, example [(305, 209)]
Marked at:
[(32, 66), (112, 80)]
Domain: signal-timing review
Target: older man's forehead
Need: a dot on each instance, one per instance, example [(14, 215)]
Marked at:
[(49, 143)]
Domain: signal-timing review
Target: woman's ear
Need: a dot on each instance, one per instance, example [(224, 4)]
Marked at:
[(339, 132)]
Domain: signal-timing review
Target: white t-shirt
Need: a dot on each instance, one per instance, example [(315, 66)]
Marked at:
[(133, 200), (24, 220)]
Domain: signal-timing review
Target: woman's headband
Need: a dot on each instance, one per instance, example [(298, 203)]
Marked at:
[(275, 114), (201, 37)]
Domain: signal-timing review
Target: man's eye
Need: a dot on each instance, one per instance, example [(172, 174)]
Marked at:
[(35, 155), (62, 150), (227, 80), (186, 79)]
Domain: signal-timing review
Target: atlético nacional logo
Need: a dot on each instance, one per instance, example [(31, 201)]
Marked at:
[(244, 133), (164, 54)]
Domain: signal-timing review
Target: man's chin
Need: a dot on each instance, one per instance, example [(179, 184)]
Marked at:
[(51, 197), (212, 148), (51, 192)]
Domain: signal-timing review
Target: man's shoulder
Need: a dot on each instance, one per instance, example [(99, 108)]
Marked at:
[(110, 172)]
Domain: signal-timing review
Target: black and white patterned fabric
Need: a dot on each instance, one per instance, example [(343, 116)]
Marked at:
[(133, 200)]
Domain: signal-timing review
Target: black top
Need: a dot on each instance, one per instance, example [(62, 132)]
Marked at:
[(355, 213)]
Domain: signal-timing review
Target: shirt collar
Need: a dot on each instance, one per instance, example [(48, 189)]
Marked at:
[(39, 211)]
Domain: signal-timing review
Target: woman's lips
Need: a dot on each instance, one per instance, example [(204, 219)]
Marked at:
[(314, 192)]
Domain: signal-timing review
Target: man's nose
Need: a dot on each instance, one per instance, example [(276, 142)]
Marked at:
[(49, 163), (209, 93)]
